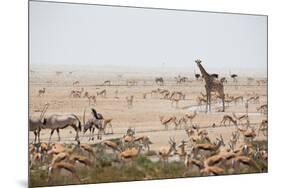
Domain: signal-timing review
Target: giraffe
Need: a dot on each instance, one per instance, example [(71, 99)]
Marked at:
[(211, 85)]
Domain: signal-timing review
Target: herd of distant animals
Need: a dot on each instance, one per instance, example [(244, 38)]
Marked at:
[(203, 155), (213, 86)]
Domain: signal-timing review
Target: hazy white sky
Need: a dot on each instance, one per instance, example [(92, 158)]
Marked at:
[(102, 35)]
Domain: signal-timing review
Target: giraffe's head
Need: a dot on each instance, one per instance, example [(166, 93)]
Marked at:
[(198, 61)]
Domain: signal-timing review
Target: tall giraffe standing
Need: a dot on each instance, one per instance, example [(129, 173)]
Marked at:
[(211, 85)]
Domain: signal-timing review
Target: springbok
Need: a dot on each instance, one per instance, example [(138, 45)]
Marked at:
[(240, 119), (102, 93), (92, 98), (244, 161), (144, 140), (130, 153), (113, 145), (107, 124), (190, 117), (238, 99), (262, 109), (182, 152), (106, 82), (229, 119), (130, 101), (249, 135), (167, 120), (165, 152), (208, 148), (175, 100)]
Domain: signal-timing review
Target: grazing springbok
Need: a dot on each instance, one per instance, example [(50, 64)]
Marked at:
[(106, 82), (190, 117), (56, 122), (229, 119), (144, 140), (167, 120), (241, 118), (102, 93), (201, 100), (262, 109), (93, 123), (238, 99), (175, 100), (106, 125), (41, 92), (254, 99)]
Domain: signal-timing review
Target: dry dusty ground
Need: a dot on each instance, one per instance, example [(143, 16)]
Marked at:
[(144, 115)]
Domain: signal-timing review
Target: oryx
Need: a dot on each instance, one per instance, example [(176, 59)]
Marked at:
[(35, 124), (56, 122)]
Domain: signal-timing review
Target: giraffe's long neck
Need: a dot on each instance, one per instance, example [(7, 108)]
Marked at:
[(203, 72)]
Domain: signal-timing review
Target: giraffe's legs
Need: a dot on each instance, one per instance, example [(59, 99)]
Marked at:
[(223, 103), (210, 102), (207, 101)]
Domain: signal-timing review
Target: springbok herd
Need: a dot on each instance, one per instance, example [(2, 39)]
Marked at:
[(123, 117)]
